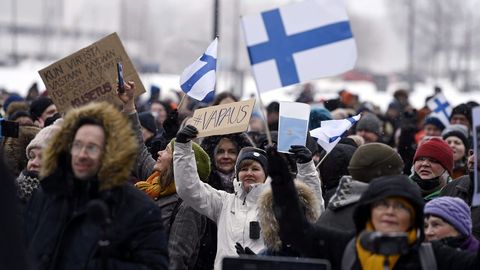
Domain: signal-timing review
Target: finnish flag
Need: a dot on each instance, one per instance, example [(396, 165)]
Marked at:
[(299, 42), (440, 108), (198, 79), (330, 132)]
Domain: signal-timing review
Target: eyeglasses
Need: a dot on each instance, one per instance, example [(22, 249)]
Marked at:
[(396, 205), (92, 150)]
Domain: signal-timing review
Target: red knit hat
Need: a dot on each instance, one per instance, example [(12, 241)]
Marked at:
[(437, 149)]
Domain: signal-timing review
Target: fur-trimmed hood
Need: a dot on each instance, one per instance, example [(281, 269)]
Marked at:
[(268, 222), (120, 149)]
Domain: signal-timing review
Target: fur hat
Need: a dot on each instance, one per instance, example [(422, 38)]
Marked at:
[(459, 131), (38, 106), (44, 136), (374, 160), (370, 122), (9, 100), (437, 149), (454, 211), (14, 148), (201, 159)]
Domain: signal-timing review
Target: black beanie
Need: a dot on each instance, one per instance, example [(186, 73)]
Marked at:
[(252, 153), (373, 160), (148, 121), (38, 106), (463, 109)]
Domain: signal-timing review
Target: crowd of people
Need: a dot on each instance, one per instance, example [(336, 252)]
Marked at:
[(104, 186)]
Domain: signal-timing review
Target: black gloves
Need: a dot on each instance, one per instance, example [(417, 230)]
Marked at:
[(186, 134), (243, 251), (170, 125), (277, 166), (301, 153)]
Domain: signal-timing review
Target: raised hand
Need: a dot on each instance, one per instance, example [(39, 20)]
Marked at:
[(301, 153), (186, 134)]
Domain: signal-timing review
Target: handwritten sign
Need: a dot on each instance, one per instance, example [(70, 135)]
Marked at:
[(223, 119), (89, 75)]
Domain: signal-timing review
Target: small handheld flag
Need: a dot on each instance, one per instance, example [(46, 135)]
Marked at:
[(198, 79), (331, 131), (440, 108)]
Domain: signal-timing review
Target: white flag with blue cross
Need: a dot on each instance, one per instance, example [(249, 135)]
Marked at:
[(441, 108), (330, 132), (299, 42), (198, 80)]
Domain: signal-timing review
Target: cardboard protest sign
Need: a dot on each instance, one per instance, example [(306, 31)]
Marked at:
[(292, 125), (223, 119), (89, 75), (476, 148)]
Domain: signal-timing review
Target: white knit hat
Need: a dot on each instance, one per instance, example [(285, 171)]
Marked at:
[(44, 135)]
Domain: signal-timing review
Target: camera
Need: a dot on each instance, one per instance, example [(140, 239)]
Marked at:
[(386, 244), (8, 128)]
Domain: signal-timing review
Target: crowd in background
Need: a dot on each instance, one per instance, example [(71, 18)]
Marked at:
[(132, 187)]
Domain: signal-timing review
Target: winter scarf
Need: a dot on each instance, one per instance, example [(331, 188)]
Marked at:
[(153, 188), (373, 261)]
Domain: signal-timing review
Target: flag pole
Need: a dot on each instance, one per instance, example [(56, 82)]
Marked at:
[(269, 136), (181, 101), (320, 162)]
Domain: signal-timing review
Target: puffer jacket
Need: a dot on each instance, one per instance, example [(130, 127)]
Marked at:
[(64, 228), (232, 213), (339, 212)]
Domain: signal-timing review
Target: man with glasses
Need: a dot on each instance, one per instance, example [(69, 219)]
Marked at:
[(85, 215)]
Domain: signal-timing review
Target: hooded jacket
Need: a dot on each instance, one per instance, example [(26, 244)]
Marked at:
[(327, 243), (339, 212), (269, 224), (232, 213), (67, 217)]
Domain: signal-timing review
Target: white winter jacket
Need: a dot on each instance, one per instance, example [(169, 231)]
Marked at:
[(231, 212)]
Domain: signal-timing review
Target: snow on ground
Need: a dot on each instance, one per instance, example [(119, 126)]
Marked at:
[(20, 78)]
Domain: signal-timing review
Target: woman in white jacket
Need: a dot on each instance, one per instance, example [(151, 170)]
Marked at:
[(236, 215)]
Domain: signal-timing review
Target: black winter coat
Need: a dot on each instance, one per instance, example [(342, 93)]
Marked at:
[(321, 242), (63, 232)]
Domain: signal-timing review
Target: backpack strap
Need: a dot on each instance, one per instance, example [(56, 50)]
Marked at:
[(427, 257), (349, 255)]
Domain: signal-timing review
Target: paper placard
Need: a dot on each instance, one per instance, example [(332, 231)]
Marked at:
[(89, 74), (223, 119), (476, 148), (292, 125)]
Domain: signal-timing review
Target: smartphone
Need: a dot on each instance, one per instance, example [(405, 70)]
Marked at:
[(386, 244), (121, 81), (8, 128), (254, 230)]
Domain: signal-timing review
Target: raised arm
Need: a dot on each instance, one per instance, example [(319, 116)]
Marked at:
[(306, 171), (196, 194), (144, 165)]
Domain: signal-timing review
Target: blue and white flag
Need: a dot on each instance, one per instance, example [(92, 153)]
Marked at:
[(441, 108), (292, 125), (198, 79), (330, 132), (299, 42)]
